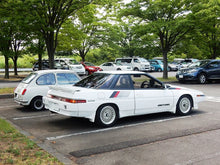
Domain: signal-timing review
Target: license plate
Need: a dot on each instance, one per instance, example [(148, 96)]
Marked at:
[(180, 76)]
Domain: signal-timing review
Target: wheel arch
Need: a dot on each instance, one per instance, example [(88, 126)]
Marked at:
[(202, 72), (32, 100), (189, 95), (112, 104), (183, 95)]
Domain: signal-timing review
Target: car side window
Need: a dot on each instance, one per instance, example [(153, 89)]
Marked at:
[(66, 78), (46, 79), (136, 60), (145, 82), (214, 64), (123, 82)]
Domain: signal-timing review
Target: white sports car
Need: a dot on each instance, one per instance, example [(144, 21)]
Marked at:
[(104, 97)]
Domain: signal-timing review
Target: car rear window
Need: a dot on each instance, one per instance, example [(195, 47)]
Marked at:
[(97, 81), (29, 78), (67, 78)]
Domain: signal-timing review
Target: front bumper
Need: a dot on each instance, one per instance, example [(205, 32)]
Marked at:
[(186, 77)]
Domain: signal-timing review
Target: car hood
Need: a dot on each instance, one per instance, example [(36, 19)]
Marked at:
[(174, 87)]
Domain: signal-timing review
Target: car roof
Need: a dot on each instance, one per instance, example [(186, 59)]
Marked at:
[(121, 72), (53, 71)]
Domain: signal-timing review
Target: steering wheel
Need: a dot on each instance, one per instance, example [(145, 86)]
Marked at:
[(144, 83)]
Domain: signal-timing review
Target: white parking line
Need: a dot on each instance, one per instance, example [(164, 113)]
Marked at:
[(213, 99), (31, 117), (9, 106), (113, 128)]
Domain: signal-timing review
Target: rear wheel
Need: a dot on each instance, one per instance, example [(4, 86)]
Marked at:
[(184, 105), (37, 103), (136, 69), (106, 115), (159, 70)]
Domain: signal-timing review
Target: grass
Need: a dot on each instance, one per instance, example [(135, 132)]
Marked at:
[(170, 79), (6, 90), (18, 149)]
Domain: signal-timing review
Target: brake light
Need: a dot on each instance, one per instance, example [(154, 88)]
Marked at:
[(23, 92), (66, 99)]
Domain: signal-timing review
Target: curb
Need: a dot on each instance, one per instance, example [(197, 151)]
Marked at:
[(6, 96)]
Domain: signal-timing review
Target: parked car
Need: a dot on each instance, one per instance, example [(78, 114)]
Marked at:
[(137, 63), (45, 65), (186, 62), (114, 66), (157, 64), (31, 89), (173, 66), (90, 67), (73, 65), (104, 97), (205, 71)]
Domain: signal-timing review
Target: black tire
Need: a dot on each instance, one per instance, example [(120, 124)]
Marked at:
[(184, 105), (136, 69), (37, 103), (159, 70), (202, 78), (118, 68), (106, 115), (87, 72)]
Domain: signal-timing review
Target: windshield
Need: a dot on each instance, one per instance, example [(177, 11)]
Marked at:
[(204, 63), (102, 81), (29, 78), (143, 60), (73, 62), (123, 60), (89, 64)]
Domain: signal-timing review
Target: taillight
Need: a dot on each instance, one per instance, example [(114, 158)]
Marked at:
[(66, 99), (24, 91)]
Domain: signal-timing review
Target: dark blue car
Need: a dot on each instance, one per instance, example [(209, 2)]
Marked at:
[(205, 70)]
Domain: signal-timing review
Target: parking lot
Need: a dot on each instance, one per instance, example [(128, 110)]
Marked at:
[(151, 139)]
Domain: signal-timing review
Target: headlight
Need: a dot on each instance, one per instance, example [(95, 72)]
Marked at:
[(192, 71), (91, 68)]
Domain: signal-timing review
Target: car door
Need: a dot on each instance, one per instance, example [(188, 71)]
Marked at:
[(150, 95), (123, 95), (213, 70)]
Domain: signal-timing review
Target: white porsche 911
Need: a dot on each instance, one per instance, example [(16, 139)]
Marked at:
[(104, 97)]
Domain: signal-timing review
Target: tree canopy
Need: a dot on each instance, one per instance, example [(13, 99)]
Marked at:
[(103, 30)]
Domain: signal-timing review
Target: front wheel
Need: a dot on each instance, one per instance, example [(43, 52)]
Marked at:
[(106, 115), (202, 78), (184, 105), (37, 103)]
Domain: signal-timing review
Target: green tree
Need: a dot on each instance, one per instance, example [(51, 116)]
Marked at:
[(5, 34), (207, 36), (168, 20), (80, 32), (49, 16)]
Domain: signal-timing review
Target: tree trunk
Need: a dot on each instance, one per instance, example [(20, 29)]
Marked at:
[(165, 65), (15, 58), (6, 68), (50, 49)]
